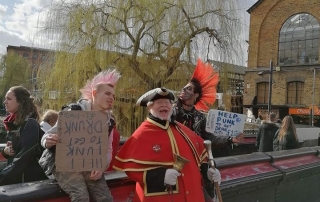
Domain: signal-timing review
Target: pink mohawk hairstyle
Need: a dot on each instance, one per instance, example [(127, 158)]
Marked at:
[(109, 77)]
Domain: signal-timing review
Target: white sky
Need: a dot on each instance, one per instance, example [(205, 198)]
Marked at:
[(19, 19)]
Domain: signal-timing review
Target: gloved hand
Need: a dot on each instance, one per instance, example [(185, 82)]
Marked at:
[(171, 176), (214, 175)]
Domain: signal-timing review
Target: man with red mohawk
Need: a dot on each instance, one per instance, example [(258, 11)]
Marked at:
[(98, 94), (194, 99)]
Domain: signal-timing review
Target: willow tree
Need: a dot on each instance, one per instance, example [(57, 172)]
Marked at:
[(153, 43), (14, 70)]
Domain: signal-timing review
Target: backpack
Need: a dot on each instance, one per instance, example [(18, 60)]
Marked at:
[(47, 160)]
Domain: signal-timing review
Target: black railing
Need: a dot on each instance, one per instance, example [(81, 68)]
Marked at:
[(250, 132)]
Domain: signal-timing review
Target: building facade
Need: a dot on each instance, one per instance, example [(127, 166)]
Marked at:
[(231, 86), (36, 58), (287, 33)]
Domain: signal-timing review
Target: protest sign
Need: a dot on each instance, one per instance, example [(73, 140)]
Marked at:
[(83, 141), (225, 123)]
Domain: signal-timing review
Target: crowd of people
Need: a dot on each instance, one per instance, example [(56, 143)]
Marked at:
[(173, 127), (277, 135)]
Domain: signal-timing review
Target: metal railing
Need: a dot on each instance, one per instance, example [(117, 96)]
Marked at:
[(250, 132)]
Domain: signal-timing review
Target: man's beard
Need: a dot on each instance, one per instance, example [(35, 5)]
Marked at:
[(157, 115)]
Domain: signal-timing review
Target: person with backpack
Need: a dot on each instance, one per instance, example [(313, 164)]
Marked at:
[(23, 148), (266, 132), (97, 95), (286, 136)]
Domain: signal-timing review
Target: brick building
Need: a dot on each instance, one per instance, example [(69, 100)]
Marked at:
[(232, 99), (287, 33), (36, 57)]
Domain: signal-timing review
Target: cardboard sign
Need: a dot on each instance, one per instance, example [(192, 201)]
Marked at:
[(83, 142), (225, 123)]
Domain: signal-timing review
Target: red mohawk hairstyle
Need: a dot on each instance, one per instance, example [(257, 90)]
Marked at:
[(205, 80)]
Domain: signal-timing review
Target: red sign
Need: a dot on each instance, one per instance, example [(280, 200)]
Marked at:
[(302, 111)]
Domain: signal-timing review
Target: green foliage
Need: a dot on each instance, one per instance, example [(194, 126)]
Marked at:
[(153, 43), (14, 71)]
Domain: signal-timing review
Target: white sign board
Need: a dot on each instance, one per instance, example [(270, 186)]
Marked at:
[(225, 123), (219, 96)]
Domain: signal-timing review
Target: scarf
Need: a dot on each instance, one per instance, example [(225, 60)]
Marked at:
[(8, 122)]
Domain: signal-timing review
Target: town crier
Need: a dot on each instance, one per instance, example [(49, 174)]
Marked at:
[(148, 156)]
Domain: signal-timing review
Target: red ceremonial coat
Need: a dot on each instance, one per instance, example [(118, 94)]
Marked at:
[(152, 146)]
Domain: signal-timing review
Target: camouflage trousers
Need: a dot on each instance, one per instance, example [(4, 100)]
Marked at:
[(81, 188)]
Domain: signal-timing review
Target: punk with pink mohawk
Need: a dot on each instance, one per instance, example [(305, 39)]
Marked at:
[(109, 77)]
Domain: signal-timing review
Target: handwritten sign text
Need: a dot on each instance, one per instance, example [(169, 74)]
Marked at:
[(83, 141), (225, 123)]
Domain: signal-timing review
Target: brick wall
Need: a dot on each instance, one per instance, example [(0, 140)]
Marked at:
[(279, 91), (266, 21)]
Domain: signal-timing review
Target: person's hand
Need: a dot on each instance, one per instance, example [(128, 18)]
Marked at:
[(8, 149), (171, 176), (238, 139), (96, 175), (52, 140), (214, 175)]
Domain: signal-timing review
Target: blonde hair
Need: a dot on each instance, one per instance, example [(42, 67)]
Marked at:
[(287, 125), (50, 115)]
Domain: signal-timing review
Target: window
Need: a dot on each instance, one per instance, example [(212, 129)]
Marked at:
[(25, 55), (295, 92), (262, 93), (299, 40), (52, 95)]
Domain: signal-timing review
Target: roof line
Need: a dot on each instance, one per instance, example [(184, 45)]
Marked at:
[(254, 6)]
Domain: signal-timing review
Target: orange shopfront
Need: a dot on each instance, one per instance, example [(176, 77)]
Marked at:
[(303, 116)]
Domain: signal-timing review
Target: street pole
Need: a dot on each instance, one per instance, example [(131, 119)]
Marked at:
[(313, 90), (270, 86)]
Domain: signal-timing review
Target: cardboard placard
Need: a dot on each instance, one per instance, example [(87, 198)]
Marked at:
[(225, 123), (83, 142)]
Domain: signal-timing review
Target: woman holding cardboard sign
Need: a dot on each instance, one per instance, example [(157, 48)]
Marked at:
[(98, 95)]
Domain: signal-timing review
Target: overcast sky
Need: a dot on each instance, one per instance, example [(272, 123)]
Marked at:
[(19, 19)]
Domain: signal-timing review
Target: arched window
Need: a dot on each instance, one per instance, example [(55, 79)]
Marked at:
[(262, 93), (295, 92), (299, 40)]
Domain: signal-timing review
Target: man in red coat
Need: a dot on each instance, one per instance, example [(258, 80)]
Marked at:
[(148, 155)]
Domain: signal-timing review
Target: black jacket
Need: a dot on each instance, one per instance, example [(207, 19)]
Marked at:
[(265, 136), (196, 121), (24, 167), (288, 141)]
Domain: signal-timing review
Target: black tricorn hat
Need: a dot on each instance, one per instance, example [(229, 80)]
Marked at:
[(155, 94)]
